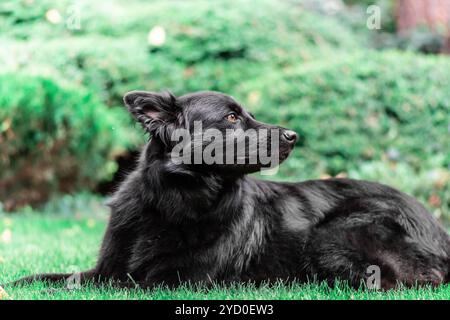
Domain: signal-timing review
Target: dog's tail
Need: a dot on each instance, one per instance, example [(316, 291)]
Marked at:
[(68, 278)]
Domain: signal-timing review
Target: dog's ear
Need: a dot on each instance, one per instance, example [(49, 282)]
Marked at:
[(152, 109)]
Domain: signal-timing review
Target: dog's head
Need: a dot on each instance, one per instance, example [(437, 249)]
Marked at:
[(209, 131)]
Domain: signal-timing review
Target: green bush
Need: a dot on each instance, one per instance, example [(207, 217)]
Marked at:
[(366, 110), (372, 115), (362, 107), (209, 44), (54, 138)]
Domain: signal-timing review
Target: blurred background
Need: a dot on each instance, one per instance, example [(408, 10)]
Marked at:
[(366, 84)]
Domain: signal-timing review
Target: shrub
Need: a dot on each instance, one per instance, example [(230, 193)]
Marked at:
[(362, 107), (214, 45), (54, 138), (365, 108), (371, 115)]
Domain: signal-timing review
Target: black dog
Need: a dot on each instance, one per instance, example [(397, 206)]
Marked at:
[(175, 222)]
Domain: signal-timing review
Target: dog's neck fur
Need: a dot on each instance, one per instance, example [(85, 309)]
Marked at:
[(204, 196)]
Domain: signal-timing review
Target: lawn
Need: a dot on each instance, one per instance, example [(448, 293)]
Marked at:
[(42, 243)]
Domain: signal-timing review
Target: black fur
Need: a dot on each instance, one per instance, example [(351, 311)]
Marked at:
[(174, 223)]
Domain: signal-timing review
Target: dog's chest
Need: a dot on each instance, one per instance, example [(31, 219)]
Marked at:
[(214, 247)]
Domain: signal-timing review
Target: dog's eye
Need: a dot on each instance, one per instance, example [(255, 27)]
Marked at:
[(232, 117)]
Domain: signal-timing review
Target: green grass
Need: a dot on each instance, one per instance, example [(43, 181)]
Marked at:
[(42, 243)]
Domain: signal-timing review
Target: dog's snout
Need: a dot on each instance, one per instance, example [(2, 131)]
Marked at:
[(290, 135)]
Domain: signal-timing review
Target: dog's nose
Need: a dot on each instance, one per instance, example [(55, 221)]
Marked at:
[(290, 135)]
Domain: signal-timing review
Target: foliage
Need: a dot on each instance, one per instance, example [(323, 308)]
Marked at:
[(214, 45), (54, 138), (361, 108), (365, 114), (209, 45), (364, 108)]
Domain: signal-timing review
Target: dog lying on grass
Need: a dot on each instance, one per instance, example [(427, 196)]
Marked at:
[(175, 222)]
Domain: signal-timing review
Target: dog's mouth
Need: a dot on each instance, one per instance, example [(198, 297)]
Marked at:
[(284, 154)]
